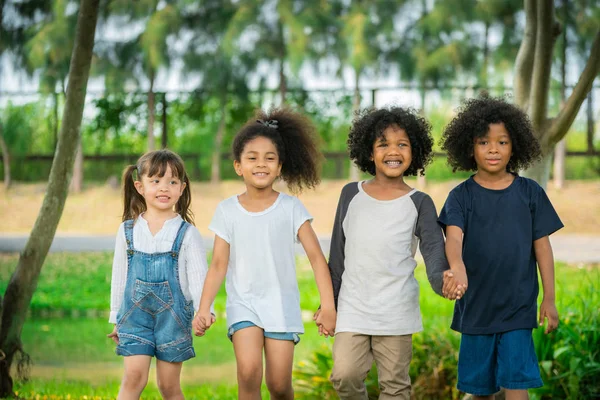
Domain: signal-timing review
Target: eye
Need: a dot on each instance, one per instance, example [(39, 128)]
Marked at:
[(504, 142), (483, 142), (382, 145), (251, 158)]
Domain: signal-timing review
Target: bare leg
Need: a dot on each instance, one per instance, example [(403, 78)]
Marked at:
[(512, 394), (279, 355), (135, 377), (248, 346), (168, 379)]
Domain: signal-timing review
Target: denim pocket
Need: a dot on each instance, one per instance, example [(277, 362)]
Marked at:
[(152, 297)]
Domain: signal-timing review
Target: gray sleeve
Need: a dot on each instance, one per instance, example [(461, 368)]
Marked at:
[(431, 240), (338, 239)]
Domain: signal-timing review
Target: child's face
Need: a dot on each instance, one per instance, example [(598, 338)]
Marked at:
[(160, 193), (392, 153), (259, 163), (492, 152)]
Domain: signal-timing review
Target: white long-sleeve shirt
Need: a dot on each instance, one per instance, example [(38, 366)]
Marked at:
[(192, 259)]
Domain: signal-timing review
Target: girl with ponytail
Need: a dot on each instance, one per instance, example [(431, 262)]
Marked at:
[(158, 273), (255, 234)]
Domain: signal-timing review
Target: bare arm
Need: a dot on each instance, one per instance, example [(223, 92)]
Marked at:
[(454, 244), (212, 284), (545, 261), (310, 242)]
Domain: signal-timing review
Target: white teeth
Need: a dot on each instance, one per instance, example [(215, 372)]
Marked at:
[(393, 162)]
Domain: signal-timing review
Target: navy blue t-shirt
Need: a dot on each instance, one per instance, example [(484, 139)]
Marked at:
[(499, 228)]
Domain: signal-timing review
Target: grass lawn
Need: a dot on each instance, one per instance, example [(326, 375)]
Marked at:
[(72, 356)]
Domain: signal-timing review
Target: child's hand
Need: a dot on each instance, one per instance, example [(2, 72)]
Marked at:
[(202, 321), (320, 326), (113, 335), (548, 310), (455, 283), (325, 319)]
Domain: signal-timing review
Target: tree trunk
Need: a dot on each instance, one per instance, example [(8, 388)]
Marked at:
[(532, 81), (164, 136), (560, 151), (24, 280), (282, 58), (55, 126), (486, 58), (540, 171), (354, 172), (151, 113), (5, 161), (591, 126), (560, 155), (215, 171), (77, 180)]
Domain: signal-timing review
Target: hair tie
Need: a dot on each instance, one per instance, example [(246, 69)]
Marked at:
[(272, 123)]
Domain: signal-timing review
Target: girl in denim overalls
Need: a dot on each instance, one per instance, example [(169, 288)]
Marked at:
[(255, 234), (158, 269)]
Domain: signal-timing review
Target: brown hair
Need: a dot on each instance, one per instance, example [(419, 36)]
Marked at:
[(151, 164)]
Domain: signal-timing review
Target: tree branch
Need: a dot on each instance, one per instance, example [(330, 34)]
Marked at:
[(542, 66), (566, 116), (524, 60)]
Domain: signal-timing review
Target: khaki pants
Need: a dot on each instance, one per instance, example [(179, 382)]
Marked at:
[(353, 356)]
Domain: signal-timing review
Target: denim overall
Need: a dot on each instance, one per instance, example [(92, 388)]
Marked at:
[(155, 319)]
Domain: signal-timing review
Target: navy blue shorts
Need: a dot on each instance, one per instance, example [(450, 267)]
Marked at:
[(507, 360)]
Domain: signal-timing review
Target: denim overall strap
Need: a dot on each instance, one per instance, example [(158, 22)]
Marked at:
[(179, 239), (129, 235)]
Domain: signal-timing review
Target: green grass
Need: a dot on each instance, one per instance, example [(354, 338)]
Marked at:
[(79, 284), (82, 282)]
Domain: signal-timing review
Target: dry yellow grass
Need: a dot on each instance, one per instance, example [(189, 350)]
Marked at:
[(97, 210)]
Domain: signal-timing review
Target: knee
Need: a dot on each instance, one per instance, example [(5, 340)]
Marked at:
[(279, 388), (346, 376), (249, 376), (168, 389), (135, 380)]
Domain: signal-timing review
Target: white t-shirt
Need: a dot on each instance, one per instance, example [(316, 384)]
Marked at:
[(261, 277), (192, 259)]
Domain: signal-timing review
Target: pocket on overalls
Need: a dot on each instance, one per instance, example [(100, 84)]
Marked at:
[(152, 297)]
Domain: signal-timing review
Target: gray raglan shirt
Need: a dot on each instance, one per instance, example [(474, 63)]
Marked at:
[(372, 260)]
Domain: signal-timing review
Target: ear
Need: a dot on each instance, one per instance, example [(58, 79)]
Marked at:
[(183, 186), (237, 166), (139, 187), (279, 170)]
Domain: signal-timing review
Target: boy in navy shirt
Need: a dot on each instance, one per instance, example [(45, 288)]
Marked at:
[(497, 225)]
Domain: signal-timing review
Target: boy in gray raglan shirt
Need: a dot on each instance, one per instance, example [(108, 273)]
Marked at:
[(377, 228)]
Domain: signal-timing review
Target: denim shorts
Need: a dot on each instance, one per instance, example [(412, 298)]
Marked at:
[(507, 360), (291, 336)]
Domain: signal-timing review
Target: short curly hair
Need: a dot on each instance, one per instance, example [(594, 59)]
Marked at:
[(297, 142), (473, 121), (369, 125)]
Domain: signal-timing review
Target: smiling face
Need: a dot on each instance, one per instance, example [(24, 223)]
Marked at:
[(492, 152), (160, 193), (392, 153), (259, 163)]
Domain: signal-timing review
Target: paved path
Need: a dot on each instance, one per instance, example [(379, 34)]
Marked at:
[(568, 248)]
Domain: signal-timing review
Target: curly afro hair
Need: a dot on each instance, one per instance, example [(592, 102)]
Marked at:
[(473, 120), (296, 140), (369, 125)]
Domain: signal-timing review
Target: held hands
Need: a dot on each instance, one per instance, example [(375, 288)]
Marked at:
[(325, 320), (203, 321), (113, 335), (455, 283), (548, 311)]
